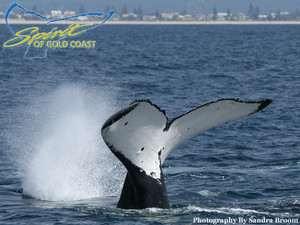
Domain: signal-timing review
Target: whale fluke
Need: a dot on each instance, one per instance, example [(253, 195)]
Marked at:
[(142, 137)]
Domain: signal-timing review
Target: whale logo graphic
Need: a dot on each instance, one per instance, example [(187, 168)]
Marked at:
[(29, 35)]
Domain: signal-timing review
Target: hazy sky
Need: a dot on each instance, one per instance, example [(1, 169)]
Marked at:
[(150, 6)]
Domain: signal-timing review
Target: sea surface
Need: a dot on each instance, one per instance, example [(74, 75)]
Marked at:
[(55, 168)]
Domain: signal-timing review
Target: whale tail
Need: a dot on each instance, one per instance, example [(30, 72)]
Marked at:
[(141, 137)]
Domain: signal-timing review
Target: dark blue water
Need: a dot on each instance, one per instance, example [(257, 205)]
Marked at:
[(51, 113)]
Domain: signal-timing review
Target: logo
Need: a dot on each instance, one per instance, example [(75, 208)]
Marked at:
[(37, 40)]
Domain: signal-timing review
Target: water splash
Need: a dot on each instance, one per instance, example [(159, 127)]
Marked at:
[(60, 152)]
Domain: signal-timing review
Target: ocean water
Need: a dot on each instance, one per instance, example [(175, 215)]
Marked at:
[(55, 168)]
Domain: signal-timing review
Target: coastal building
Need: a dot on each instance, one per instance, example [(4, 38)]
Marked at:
[(263, 17), (56, 14), (242, 17), (166, 16), (272, 16), (202, 17), (82, 18), (69, 13), (221, 16), (175, 16), (130, 16), (186, 17), (149, 18), (284, 13)]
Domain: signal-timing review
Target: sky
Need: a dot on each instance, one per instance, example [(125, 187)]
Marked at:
[(150, 6)]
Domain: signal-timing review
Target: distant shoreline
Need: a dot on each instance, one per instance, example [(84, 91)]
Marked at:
[(19, 21)]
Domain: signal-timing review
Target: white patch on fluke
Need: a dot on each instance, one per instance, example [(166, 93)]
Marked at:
[(138, 136)]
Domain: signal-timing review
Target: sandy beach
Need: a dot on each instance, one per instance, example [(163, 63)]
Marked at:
[(19, 21)]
